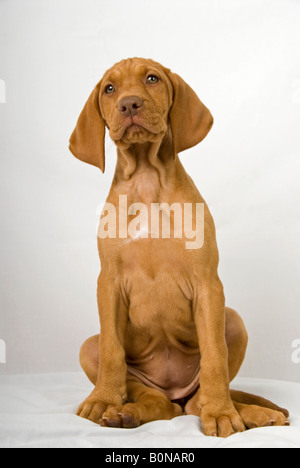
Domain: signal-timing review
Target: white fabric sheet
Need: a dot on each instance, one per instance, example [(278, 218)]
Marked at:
[(38, 411)]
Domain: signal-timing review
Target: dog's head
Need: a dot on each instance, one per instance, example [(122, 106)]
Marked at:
[(139, 100)]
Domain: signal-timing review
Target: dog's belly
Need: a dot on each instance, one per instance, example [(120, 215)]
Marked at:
[(169, 370), (162, 347)]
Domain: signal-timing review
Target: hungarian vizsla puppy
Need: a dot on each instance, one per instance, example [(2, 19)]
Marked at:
[(168, 344)]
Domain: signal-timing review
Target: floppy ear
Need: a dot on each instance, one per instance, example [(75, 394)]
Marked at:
[(87, 140), (189, 118)]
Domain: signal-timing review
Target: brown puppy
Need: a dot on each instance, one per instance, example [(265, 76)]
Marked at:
[(167, 341)]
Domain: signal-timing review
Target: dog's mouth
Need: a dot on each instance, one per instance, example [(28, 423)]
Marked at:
[(135, 125), (136, 129)]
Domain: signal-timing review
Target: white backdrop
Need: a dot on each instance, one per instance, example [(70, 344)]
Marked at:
[(242, 58)]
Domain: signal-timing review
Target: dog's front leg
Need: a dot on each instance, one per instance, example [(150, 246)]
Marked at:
[(218, 414), (110, 388)]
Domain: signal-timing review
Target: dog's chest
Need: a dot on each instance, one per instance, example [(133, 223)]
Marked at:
[(158, 298), (145, 186)]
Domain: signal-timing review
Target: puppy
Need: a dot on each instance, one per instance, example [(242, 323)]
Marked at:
[(168, 344)]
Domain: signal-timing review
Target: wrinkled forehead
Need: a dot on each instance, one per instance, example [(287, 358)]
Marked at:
[(136, 67), (132, 66)]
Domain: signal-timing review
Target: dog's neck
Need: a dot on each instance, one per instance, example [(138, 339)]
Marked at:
[(145, 170)]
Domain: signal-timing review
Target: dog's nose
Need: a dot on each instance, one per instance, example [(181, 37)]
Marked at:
[(130, 105)]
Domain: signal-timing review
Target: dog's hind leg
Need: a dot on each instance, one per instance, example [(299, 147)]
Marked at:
[(89, 357), (145, 405)]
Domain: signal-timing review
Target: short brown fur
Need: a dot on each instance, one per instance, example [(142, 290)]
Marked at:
[(168, 344)]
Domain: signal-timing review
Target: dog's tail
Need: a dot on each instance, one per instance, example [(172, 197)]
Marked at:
[(248, 399)]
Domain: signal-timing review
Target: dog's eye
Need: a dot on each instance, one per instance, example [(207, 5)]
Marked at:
[(152, 79), (109, 89)]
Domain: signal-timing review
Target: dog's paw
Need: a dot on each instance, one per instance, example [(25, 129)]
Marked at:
[(94, 407), (221, 423), (126, 416), (91, 410), (133, 415), (257, 416)]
